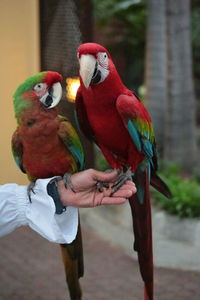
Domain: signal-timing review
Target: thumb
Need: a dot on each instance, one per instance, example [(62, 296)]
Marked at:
[(105, 176)]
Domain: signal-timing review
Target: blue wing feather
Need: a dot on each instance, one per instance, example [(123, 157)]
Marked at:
[(134, 134)]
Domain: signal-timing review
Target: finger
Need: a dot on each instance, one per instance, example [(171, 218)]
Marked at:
[(130, 187), (128, 184), (113, 200), (103, 176), (123, 193)]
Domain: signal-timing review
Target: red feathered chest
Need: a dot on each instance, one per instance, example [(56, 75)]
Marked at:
[(107, 124), (44, 153)]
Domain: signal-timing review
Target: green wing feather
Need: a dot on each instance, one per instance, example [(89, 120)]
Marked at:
[(145, 136), (71, 140), (138, 124), (17, 150)]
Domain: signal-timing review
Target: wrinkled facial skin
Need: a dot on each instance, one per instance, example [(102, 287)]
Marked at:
[(48, 96)]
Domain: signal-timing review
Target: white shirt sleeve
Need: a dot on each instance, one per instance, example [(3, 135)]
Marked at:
[(16, 210)]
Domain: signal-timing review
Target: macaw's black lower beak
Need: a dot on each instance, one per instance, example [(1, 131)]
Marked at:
[(52, 96), (49, 98), (96, 77), (48, 101)]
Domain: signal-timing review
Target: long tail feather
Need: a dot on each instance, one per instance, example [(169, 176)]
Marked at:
[(141, 213), (160, 185), (72, 255)]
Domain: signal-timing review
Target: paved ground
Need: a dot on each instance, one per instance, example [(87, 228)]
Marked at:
[(176, 241), (30, 269)]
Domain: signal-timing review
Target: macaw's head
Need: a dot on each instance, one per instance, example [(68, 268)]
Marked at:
[(95, 64), (43, 89)]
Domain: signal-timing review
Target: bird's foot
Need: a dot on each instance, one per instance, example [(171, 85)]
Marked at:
[(122, 178), (30, 189), (68, 182), (100, 185)]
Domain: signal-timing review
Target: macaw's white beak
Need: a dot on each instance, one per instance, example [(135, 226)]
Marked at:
[(87, 68), (52, 96)]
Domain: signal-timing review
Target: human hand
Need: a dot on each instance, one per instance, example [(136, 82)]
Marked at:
[(86, 192)]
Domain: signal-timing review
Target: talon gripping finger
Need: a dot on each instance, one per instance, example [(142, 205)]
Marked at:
[(68, 182), (122, 178), (30, 189), (100, 185)]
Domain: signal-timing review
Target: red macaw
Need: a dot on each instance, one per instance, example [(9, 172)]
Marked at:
[(45, 145), (114, 117)]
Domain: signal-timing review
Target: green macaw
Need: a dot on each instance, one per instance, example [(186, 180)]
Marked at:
[(45, 145)]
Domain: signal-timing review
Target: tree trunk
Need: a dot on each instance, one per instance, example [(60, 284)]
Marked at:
[(180, 144), (156, 67)]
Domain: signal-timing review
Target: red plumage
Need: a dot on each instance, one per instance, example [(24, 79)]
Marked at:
[(117, 146), (44, 153), (114, 117)]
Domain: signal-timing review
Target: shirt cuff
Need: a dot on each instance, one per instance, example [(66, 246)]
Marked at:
[(41, 216), (13, 206)]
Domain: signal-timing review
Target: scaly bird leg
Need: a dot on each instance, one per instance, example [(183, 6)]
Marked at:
[(68, 182), (30, 189), (122, 178), (100, 185)]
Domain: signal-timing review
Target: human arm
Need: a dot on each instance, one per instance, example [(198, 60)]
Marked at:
[(16, 210)]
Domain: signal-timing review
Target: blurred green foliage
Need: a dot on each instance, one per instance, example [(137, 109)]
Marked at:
[(125, 28), (186, 192)]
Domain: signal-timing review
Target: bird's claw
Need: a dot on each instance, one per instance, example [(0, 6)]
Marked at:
[(68, 182), (100, 185), (122, 178), (30, 189)]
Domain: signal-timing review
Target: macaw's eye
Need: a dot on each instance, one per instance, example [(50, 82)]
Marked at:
[(40, 87)]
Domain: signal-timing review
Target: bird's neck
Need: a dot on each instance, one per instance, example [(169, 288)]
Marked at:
[(105, 92), (35, 112)]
